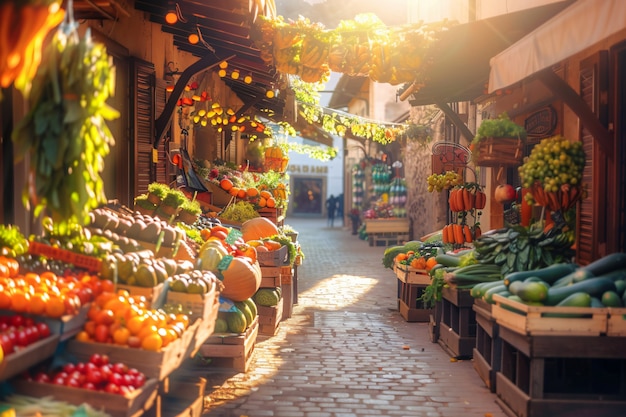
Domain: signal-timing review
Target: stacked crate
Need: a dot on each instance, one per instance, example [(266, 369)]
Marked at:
[(488, 349), (270, 317), (457, 329), (411, 285)]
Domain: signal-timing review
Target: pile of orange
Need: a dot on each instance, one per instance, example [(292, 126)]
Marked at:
[(122, 319)]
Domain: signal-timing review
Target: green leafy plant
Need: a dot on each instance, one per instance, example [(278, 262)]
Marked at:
[(143, 202), (174, 198), (158, 189), (501, 127), (191, 206)]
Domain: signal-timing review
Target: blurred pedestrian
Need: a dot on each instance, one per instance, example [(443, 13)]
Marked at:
[(331, 208), (340, 207)]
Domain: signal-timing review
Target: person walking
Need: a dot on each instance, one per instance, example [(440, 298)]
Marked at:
[(331, 207)]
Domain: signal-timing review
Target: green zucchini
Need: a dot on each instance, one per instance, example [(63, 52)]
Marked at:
[(577, 299), (501, 289), (549, 274), (595, 287), (607, 264), (478, 291), (577, 276), (611, 299), (515, 286), (533, 291), (620, 286), (596, 303), (539, 280), (448, 260)]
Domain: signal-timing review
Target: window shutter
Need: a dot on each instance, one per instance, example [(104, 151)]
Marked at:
[(143, 117), (591, 228), (162, 163)]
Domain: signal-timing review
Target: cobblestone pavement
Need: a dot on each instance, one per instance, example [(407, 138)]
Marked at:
[(346, 351)]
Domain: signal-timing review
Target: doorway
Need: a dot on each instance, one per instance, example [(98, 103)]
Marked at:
[(307, 196)]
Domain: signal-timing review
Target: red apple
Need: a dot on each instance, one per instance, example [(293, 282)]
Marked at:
[(505, 193)]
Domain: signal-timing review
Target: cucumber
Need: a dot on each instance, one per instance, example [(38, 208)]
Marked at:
[(620, 286), (533, 291), (577, 299), (501, 290), (478, 291), (611, 299), (549, 274), (539, 280), (515, 286), (448, 260), (607, 264), (577, 276), (596, 303), (595, 287)]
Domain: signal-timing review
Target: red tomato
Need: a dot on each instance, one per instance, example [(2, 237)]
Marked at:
[(44, 330), (102, 333)]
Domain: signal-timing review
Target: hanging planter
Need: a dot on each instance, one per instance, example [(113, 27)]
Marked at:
[(499, 142)]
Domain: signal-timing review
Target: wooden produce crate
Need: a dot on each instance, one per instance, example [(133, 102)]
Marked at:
[(549, 320), (434, 322), (155, 296), (206, 325), (179, 397), (182, 253), (153, 364), (270, 276), (231, 350), (617, 322), (561, 375), (457, 330), (133, 404), (411, 285), (487, 351), (274, 258), (89, 263), (286, 274), (68, 325), (201, 306), (274, 214), (270, 318), (387, 232), (19, 361)]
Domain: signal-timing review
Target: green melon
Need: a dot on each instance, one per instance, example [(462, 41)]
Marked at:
[(236, 320), (221, 325), (245, 309), (252, 307), (267, 297)]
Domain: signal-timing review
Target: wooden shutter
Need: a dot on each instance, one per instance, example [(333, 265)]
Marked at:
[(162, 163), (143, 113), (591, 230)]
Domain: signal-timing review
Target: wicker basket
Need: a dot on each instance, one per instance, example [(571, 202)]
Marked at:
[(496, 152)]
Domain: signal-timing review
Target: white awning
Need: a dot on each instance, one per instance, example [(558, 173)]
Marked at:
[(576, 28)]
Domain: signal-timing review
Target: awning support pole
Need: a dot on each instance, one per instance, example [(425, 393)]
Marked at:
[(456, 120), (590, 121)]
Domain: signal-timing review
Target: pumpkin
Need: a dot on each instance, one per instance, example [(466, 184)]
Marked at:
[(241, 279), (258, 228)]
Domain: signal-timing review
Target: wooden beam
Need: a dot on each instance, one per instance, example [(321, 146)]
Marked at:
[(590, 121), (456, 120), (163, 121)]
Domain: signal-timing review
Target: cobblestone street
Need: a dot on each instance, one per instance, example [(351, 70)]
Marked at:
[(346, 351)]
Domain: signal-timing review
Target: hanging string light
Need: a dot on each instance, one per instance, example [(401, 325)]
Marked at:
[(174, 15)]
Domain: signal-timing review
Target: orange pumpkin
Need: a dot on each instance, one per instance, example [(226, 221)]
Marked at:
[(241, 279), (258, 229)]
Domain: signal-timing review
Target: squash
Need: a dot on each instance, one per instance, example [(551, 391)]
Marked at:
[(241, 279), (258, 228)]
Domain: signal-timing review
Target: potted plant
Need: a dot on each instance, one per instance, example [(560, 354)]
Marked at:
[(144, 206), (157, 192), (290, 232), (189, 212), (171, 204), (498, 142)]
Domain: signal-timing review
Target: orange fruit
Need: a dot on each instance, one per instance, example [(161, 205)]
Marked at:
[(107, 285), (183, 319), (226, 184), (121, 335), (241, 193), (105, 316), (90, 327), (265, 194), (83, 336), (166, 336), (135, 324), (252, 192), (271, 202), (234, 191), (20, 301), (152, 342), (272, 245), (55, 307), (430, 263), (147, 330), (262, 202), (38, 303)]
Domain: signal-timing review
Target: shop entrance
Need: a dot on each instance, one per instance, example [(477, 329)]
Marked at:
[(306, 196)]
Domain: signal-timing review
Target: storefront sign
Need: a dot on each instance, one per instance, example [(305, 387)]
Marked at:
[(541, 123), (308, 169)]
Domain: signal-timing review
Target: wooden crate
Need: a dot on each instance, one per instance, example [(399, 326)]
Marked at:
[(287, 274), (457, 329), (616, 322), (434, 323), (179, 397), (19, 361), (134, 404), (68, 325), (201, 306), (487, 351), (275, 258), (271, 276), (204, 327), (274, 214), (270, 318), (155, 296), (387, 239), (549, 320), (391, 225), (232, 351), (156, 365), (561, 375)]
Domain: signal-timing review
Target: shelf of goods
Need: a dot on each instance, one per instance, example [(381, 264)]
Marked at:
[(487, 351), (560, 360), (385, 232), (457, 327), (411, 285)]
